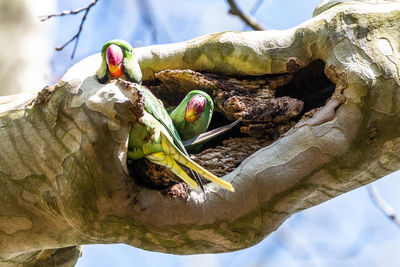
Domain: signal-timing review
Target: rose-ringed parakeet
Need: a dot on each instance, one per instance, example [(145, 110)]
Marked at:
[(192, 118), (155, 138), (193, 115), (154, 135), (118, 61)]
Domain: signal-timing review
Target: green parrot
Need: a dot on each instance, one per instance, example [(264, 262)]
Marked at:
[(192, 118), (154, 135), (155, 138), (193, 115), (118, 61)]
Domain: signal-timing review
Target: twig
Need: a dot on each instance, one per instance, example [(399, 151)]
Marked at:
[(64, 13), (383, 205), (147, 17), (77, 35), (256, 6), (253, 10), (247, 18)]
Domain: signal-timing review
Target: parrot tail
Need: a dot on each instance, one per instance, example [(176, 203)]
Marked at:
[(167, 161), (178, 156)]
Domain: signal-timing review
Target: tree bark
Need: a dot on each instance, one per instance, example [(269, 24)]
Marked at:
[(63, 175)]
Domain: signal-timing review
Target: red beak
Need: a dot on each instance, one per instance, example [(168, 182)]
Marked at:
[(114, 57)]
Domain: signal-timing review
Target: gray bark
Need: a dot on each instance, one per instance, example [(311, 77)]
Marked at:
[(63, 178)]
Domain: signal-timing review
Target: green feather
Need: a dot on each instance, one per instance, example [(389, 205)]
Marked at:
[(195, 135), (189, 130), (154, 137), (141, 135), (131, 68), (102, 73), (156, 108)]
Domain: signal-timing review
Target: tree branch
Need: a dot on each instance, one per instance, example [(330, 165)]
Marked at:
[(65, 257), (380, 202), (79, 182), (256, 6), (246, 18), (77, 35), (148, 18), (68, 12)]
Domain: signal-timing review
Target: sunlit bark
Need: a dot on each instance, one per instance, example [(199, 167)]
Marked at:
[(63, 178)]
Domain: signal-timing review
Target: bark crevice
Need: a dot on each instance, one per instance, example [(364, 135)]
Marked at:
[(267, 106)]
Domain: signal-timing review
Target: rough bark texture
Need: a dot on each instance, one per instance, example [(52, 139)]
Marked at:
[(63, 178), (251, 100)]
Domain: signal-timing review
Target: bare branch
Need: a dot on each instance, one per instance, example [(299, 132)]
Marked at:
[(65, 12), (148, 18), (383, 205), (77, 35), (247, 18), (256, 6)]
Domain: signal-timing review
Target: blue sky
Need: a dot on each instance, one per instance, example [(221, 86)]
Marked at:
[(346, 231)]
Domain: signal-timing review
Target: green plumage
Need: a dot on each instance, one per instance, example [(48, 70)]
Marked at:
[(188, 130), (154, 136), (143, 135), (194, 134), (131, 68)]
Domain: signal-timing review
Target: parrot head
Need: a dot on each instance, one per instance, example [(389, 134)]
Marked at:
[(114, 57), (195, 107), (118, 61), (193, 115)]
